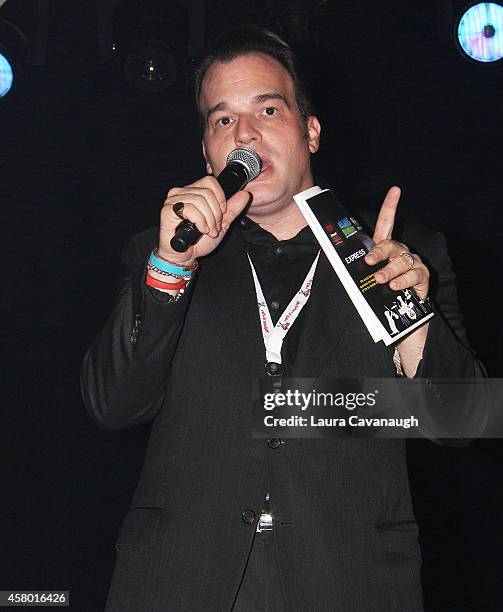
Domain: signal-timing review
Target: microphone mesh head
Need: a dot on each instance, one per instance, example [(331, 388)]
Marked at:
[(250, 160)]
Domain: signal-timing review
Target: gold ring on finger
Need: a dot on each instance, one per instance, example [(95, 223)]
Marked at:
[(178, 209), (408, 256)]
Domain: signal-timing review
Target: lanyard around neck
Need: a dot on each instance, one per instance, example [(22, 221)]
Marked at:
[(275, 334)]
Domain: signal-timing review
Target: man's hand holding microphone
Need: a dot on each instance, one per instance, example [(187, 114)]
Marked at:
[(195, 219)]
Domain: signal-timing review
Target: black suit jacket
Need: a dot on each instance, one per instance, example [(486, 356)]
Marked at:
[(345, 528)]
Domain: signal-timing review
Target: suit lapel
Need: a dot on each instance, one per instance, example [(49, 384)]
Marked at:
[(235, 301), (329, 315)]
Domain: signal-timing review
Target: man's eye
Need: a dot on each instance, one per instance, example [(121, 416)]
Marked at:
[(223, 121), (270, 111)]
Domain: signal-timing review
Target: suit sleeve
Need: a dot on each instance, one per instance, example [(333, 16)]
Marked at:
[(125, 371), (446, 353)]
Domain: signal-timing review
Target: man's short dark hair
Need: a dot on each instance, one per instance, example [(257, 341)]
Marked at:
[(247, 39)]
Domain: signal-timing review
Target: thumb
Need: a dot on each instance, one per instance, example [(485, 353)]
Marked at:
[(235, 207)]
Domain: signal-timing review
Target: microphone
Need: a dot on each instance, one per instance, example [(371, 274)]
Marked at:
[(243, 165)]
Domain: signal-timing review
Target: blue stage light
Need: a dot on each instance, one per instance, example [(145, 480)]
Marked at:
[(480, 32), (6, 76)]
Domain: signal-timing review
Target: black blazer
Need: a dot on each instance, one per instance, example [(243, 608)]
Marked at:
[(346, 534)]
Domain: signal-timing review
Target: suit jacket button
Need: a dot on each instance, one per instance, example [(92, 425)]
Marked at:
[(274, 442), (274, 369), (248, 517)]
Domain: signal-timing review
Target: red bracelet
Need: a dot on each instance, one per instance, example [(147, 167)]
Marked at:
[(154, 282), (174, 263)]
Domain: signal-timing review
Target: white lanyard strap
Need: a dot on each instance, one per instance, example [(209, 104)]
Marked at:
[(275, 334)]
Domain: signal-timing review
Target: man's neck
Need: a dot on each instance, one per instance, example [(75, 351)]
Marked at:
[(283, 224)]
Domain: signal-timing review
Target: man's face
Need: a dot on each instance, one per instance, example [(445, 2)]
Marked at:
[(250, 102)]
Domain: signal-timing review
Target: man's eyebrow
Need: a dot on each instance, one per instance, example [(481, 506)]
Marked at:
[(214, 109), (270, 96)]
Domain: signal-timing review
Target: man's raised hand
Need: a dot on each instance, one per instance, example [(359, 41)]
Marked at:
[(404, 269)]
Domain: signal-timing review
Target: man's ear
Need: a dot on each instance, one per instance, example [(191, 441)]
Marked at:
[(313, 133), (209, 169)]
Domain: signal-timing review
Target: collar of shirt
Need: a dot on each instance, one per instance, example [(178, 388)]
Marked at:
[(265, 246)]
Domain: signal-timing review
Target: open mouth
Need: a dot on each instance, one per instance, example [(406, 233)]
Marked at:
[(266, 167)]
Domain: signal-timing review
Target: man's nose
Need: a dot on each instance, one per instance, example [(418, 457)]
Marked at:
[(246, 131)]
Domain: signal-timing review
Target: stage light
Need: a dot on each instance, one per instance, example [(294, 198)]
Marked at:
[(479, 32), (150, 66), (6, 75), (148, 41), (13, 45)]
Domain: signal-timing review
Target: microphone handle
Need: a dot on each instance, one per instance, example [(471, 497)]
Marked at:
[(232, 179)]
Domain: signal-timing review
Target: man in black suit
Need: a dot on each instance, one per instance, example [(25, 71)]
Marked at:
[(220, 520)]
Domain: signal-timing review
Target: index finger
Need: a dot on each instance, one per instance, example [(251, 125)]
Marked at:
[(210, 182), (386, 218)]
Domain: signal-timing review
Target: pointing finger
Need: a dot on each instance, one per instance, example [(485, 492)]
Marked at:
[(386, 218)]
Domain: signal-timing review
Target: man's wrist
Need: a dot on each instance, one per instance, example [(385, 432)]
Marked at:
[(178, 259), (165, 295), (166, 275), (411, 349), (164, 278)]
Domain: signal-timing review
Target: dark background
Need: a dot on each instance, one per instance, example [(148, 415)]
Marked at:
[(87, 160)]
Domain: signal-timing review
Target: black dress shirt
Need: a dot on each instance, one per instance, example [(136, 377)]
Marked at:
[(281, 266)]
